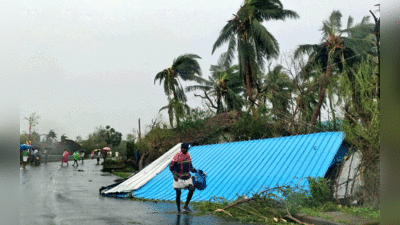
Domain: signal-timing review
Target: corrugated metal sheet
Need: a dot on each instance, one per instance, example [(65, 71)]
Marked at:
[(147, 173), (349, 177), (244, 168)]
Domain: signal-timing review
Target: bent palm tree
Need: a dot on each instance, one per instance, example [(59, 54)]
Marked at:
[(277, 89), (184, 67), (335, 50), (254, 43), (224, 84), (177, 108)]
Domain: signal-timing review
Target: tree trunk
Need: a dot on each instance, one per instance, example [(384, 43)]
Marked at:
[(219, 106), (321, 96), (249, 94), (333, 112), (142, 160), (178, 121), (171, 116)]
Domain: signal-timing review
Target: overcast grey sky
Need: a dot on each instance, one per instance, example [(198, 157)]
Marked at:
[(92, 62)]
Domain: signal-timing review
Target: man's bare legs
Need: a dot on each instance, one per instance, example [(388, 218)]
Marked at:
[(178, 199), (189, 197)]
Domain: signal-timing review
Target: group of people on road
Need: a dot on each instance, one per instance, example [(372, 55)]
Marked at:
[(32, 155), (76, 156)]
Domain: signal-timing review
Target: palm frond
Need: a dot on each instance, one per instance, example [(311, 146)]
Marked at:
[(163, 108), (160, 76), (227, 31), (336, 19), (180, 94), (365, 20), (276, 14), (307, 50), (265, 42), (230, 52), (197, 88), (350, 22)]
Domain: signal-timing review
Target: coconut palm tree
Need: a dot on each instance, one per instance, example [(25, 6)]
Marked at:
[(184, 67), (335, 52), (224, 84), (176, 109), (51, 135), (246, 34), (63, 138), (277, 89)]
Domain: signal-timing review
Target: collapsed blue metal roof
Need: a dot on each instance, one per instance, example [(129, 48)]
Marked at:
[(244, 168)]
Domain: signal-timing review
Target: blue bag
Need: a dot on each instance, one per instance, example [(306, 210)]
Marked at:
[(199, 180)]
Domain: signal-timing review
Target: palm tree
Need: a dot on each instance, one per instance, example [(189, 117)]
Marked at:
[(254, 43), (176, 108), (335, 50), (51, 135), (224, 84), (278, 90), (63, 138), (184, 67)]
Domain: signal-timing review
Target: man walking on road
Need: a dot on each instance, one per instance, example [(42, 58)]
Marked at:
[(180, 167)]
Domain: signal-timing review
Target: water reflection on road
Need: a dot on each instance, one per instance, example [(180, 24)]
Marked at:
[(54, 194)]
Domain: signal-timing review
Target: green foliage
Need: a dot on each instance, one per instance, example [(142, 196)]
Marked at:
[(365, 211), (109, 162), (130, 149), (361, 124), (113, 137), (247, 128), (246, 34), (122, 174), (195, 119), (328, 126), (295, 200), (320, 191), (23, 138)]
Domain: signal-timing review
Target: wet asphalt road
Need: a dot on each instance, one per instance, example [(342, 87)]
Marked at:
[(52, 194)]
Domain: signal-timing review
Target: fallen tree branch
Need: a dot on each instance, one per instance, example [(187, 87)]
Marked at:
[(296, 220), (222, 210), (247, 200), (256, 214)]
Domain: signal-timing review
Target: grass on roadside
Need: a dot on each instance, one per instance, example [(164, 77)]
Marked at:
[(122, 174)]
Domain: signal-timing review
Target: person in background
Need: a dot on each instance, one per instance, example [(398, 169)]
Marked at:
[(45, 155), (65, 157), (31, 156), (180, 167), (92, 155), (76, 157), (25, 156), (98, 157), (104, 154), (82, 155)]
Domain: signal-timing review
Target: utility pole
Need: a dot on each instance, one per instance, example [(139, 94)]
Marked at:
[(140, 137)]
